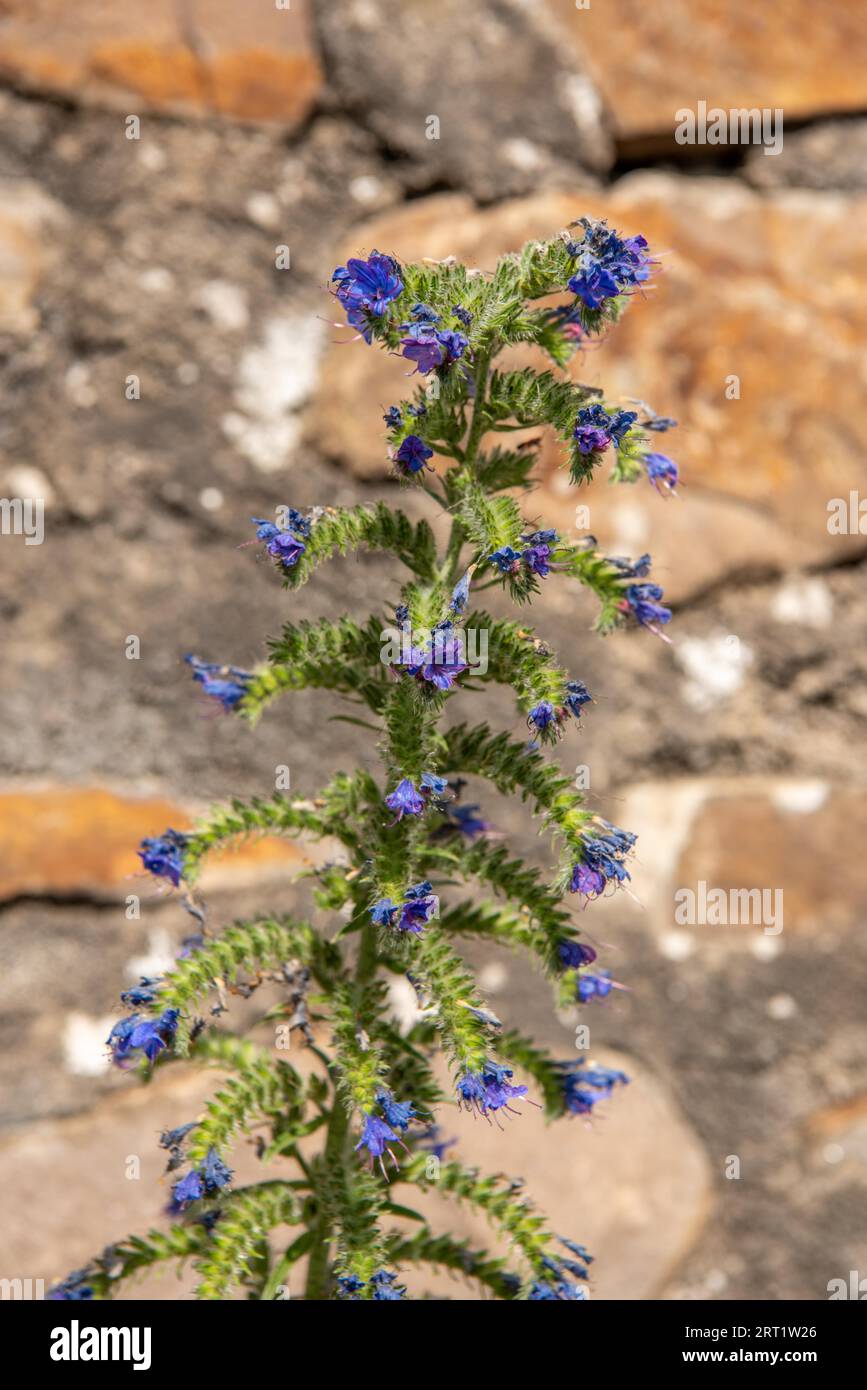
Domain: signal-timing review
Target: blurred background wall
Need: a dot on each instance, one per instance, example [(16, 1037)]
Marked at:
[(737, 753)]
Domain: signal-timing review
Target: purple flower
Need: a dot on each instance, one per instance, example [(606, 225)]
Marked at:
[(163, 855), (367, 288), (440, 663), (608, 264), (661, 471), (286, 549), (423, 347), (215, 1174), (462, 315), (595, 428), (423, 313), (413, 454), (488, 1089), (536, 559), (589, 882), (405, 800), (393, 418), (227, 684), (376, 1137), (420, 905)]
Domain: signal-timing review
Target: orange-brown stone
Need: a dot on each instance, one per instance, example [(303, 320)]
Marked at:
[(253, 63), (650, 60)]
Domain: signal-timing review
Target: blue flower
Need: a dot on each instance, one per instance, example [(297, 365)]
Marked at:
[(405, 800), (209, 1178), (577, 695), (432, 785), (413, 454), (460, 594), (397, 1113), (561, 1291), (349, 1285), (227, 684), (632, 569), (163, 855), (455, 344), (393, 417), (574, 954), (507, 560), (385, 1288), (418, 905), (603, 860), (467, 821), (542, 715), (661, 471), (594, 986), (190, 1188), (75, 1288), (376, 1137), (462, 315), (609, 264), (367, 288), (541, 538), (583, 1086), (143, 993), (594, 285), (423, 313), (536, 559), (643, 602), (149, 1036), (173, 1138), (214, 1172)]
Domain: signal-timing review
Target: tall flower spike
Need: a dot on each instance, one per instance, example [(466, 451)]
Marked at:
[(444, 327)]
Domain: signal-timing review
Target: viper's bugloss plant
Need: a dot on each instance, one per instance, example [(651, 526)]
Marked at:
[(417, 870)]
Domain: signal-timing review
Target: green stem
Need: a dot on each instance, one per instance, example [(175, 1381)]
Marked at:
[(334, 1153), (452, 564)]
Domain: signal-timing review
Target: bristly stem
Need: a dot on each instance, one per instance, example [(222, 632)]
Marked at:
[(451, 565), (334, 1154)]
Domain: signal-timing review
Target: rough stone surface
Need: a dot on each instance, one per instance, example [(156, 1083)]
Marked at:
[(733, 752), (651, 60), (491, 107), (828, 155), (83, 841), (254, 62)]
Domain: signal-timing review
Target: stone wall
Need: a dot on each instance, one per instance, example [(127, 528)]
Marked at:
[(737, 752)]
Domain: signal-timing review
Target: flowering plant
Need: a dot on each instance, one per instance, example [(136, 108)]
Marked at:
[(407, 843)]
